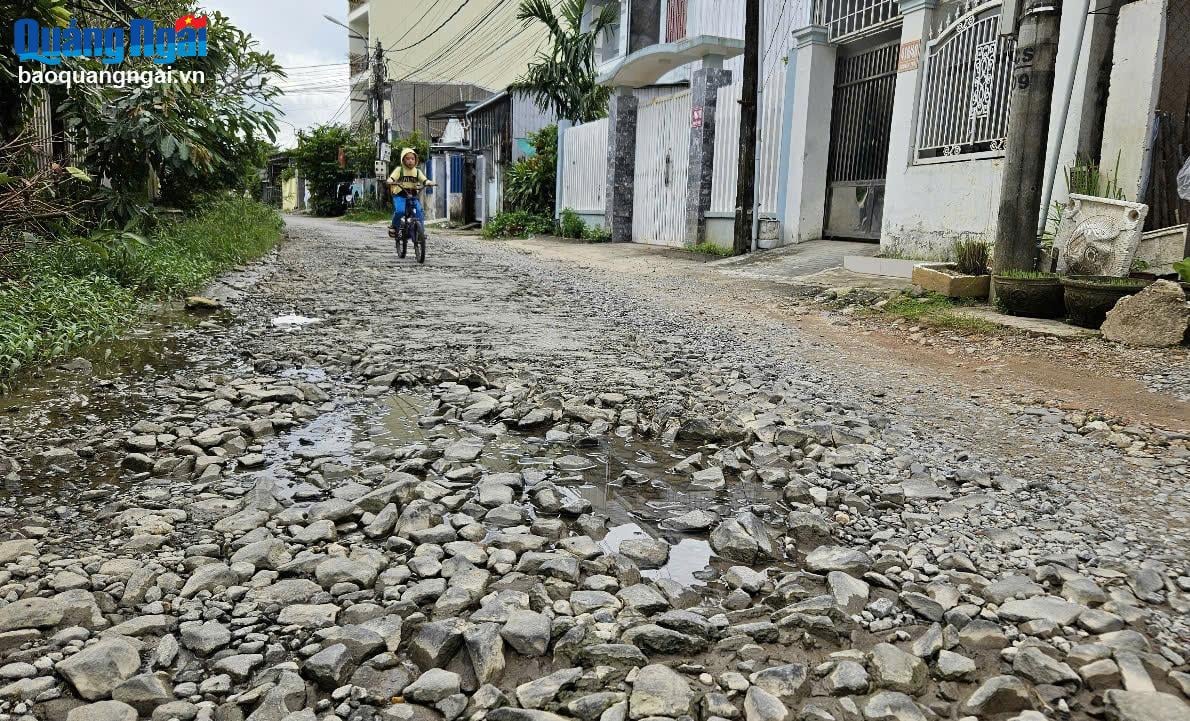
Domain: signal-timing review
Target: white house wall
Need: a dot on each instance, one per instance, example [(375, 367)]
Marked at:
[(929, 205)]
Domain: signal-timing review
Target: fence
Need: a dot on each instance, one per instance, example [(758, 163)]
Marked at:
[(780, 19), (584, 174), (968, 78)]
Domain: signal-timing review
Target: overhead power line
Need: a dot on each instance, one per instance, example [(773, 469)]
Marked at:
[(435, 30)]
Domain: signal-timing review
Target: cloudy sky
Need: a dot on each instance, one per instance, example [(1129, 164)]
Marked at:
[(296, 32)]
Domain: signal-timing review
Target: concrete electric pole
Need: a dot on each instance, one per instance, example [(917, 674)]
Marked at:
[(745, 193), (1028, 131), (379, 73)]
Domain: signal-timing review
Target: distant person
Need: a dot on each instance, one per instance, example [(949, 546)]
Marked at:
[(406, 183)]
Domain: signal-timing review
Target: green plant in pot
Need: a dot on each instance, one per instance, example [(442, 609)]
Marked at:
[(1029, 293), (1088, 298)]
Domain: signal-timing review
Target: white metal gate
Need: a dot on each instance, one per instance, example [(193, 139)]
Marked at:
[(662, 167)]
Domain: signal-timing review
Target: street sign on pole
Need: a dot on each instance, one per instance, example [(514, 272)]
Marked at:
[(381, 168), (385, 152)]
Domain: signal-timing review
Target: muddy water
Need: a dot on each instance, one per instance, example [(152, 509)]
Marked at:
[(118, 379), (627, 480)]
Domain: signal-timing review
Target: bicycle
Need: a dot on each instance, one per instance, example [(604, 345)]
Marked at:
[(411, 229)]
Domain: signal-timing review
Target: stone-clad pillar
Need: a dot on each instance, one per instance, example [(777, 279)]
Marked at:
[(704, 101), (621, 164)]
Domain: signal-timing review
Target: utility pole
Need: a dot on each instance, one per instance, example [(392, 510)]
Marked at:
[(745, 192), (379, 72), (1028, 131)]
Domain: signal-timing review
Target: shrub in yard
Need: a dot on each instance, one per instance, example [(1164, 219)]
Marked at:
[(531, 182), (597, 233), (517, 224), (571, 225)]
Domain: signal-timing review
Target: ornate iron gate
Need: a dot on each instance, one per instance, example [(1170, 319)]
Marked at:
[(861, 118)]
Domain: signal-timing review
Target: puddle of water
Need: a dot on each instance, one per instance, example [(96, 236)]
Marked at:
[(284, 321)]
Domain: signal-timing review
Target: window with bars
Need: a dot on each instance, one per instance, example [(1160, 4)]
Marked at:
[(967, 83)]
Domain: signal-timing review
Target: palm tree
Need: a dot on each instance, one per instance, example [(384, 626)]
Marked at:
[(563, 79)]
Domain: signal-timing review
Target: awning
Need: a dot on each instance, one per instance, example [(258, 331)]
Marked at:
[(647, 65)]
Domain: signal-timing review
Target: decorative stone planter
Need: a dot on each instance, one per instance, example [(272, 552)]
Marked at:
[(1099, 236), (1089, 298), (1029, 297), (944, 279)]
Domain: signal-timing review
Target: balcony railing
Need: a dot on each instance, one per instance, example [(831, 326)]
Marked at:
[(846, 19)]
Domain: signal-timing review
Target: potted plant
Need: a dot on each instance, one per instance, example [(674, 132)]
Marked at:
[(1089, 297), (1029, 293), (966, 277)]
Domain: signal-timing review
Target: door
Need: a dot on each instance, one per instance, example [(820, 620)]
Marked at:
[(861, 118), (662, 168)]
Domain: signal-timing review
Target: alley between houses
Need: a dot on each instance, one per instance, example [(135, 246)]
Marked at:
[(538, 476)]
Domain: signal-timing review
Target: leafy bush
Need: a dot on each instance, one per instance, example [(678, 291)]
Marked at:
[(531, 182), (517, 224), (971, 256), (49, 315), (317, 158), (69, 293), (571, 225), (597, 233)]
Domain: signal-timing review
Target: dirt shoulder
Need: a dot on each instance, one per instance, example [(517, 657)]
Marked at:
[(1130, 385)]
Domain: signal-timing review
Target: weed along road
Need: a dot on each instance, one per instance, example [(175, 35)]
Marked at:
[(523, 483)]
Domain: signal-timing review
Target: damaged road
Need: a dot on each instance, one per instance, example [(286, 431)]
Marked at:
[(500, 487)]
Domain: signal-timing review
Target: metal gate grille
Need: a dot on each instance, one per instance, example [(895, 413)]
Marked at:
[(968, 78), (862, 115)]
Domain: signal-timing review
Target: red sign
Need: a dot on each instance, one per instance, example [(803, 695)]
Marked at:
[(909, 56), (696, 117)]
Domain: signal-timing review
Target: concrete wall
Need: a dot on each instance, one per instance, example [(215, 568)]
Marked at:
[(928, 207), (526, 118), (720, 229), (1132, 97)]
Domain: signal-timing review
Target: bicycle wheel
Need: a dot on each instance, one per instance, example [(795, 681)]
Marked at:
[(420, 244), (402, 242)]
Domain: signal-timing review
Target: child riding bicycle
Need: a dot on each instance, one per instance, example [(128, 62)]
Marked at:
[(406, 183)]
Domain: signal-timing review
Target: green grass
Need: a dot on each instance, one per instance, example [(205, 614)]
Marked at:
[(936, 311), (708, 248), (365, 215), (73, 292)]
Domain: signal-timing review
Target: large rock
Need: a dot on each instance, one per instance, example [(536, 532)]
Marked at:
[(789, 682), (999, 695), (892, 706), (896, 670), (31, 613), (1155, 317), (825, 559), (659, 691), (1042, 608), (743, 539), (528, 632), (101, 667), (102, 711), (760, 705), (1144, 706), (433, 686)]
